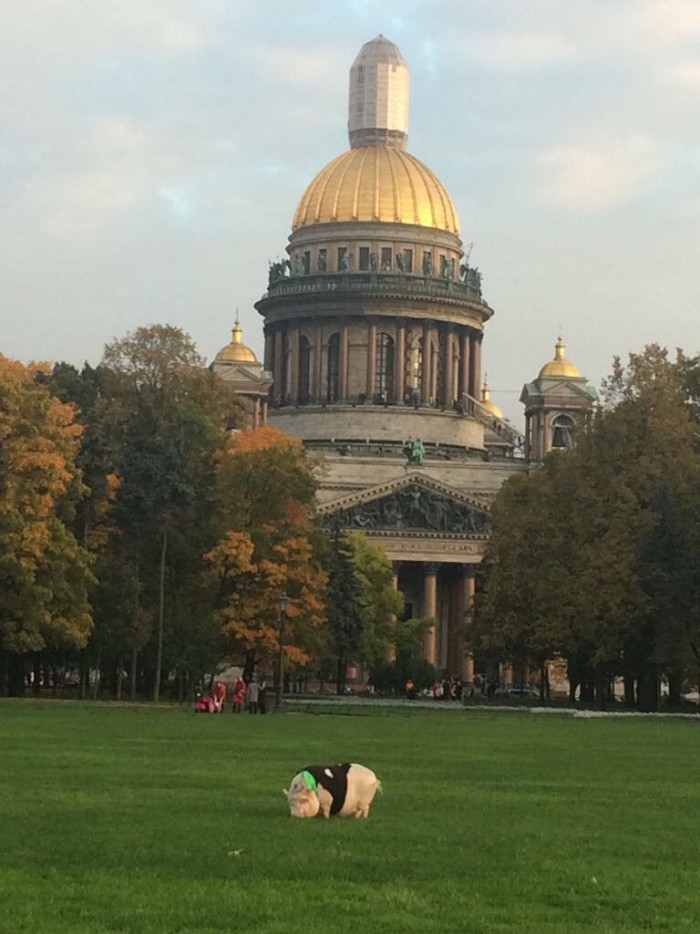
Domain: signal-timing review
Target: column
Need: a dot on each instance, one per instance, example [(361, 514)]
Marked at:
[(426, 361), (256, 412), (316, 388), (269, 356), (400, 363), (430, 609), (371, 360), (477, 365), (278, 368), (449, 373), (464, 363), (263, 416), (468, 602), (294, 364), (343, 364)]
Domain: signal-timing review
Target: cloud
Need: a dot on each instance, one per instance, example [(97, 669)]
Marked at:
[(522, 52), (686, 74), (594, 178), (668, 20)]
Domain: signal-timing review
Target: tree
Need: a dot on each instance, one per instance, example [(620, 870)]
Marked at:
[(173, 416), (267, 545), (344, 605), (382, 602), (45, 573), (590, 556)]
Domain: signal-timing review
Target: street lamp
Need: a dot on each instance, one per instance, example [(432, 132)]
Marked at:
[(282, 607)]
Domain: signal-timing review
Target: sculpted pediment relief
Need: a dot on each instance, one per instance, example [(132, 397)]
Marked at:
[(413, 508)]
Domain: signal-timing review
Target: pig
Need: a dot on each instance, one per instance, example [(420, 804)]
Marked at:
[(332, 789)]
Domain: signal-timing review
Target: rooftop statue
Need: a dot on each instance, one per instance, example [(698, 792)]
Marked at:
[(415, 452)]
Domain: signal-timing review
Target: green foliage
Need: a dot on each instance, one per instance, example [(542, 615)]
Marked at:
[(344, 605), (594, 556), (381, 601)]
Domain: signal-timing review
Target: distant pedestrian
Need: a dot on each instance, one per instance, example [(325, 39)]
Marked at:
[(239, 694), (262, 695), (253, 694)]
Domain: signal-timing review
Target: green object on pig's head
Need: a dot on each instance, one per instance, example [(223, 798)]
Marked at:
[(309, 780)]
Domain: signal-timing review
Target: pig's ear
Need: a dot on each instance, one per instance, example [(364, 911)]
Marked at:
[(285, 793)]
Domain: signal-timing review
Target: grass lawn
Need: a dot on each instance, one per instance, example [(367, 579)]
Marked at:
[(140, 820)]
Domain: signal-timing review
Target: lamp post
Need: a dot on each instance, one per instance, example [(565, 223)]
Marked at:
[(282, 607)]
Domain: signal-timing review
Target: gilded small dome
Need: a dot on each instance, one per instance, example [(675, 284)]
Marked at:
[(236, 351), (377, 183), (560, 366), (488, 404)]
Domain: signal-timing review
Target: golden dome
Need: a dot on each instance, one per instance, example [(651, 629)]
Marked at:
[(486, 402), (560, 366), (377, 183), (236, 351)]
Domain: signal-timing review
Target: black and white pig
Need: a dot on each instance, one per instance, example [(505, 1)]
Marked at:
[(332, 789)]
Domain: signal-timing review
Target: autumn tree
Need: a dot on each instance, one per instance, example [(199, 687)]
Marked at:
[(45, 572), (267, 546)]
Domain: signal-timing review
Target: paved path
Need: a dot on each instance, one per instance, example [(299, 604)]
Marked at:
[(331, 700)]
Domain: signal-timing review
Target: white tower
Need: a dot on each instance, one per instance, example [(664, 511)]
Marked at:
[(379, 96)]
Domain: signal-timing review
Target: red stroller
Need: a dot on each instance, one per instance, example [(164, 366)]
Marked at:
[(214, 702)]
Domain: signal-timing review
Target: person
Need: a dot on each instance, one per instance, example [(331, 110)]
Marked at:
[(239, 693), (262, 695), (253, 694), (410, 689)]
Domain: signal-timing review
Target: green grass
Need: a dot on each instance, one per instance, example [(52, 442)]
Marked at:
[(127, 819)]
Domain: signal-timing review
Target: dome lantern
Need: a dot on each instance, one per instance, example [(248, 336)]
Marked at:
[(379, 96), (560, 366)]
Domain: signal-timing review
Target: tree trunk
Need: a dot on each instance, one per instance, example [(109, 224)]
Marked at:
[(161, 616), (341, 676), (98, 678), (120, 672), (15, 674), (675, 688), (4, 674), (648, 691), (630, 699), (134, 663), (36, 677)]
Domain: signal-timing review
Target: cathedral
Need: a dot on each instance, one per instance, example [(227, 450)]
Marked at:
[(374, 325)]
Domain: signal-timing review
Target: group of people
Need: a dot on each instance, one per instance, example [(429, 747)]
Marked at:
[(251, 696), (449, 688)]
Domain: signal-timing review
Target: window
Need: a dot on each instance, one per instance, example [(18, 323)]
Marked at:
[(563, 432), (333, 363), (386, 259), (306, 263), (343, 258), (384, 367), (364, 258), (321, 260)]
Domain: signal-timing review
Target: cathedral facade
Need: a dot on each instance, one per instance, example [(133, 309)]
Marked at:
[(374, 325)]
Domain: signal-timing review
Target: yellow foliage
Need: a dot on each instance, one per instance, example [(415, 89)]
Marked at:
[(257, 439)]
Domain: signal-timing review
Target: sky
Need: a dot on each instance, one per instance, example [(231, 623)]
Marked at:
[(152, 154)]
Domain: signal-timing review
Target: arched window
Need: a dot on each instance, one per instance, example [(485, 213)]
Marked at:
[(384, 367), (333, 364), (563, 432), (304, 393)]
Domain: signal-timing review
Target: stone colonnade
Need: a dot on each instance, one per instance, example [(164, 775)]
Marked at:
[(444, 592), (380, 359)]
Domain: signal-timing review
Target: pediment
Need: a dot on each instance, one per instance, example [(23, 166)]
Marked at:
[(413, 503)]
